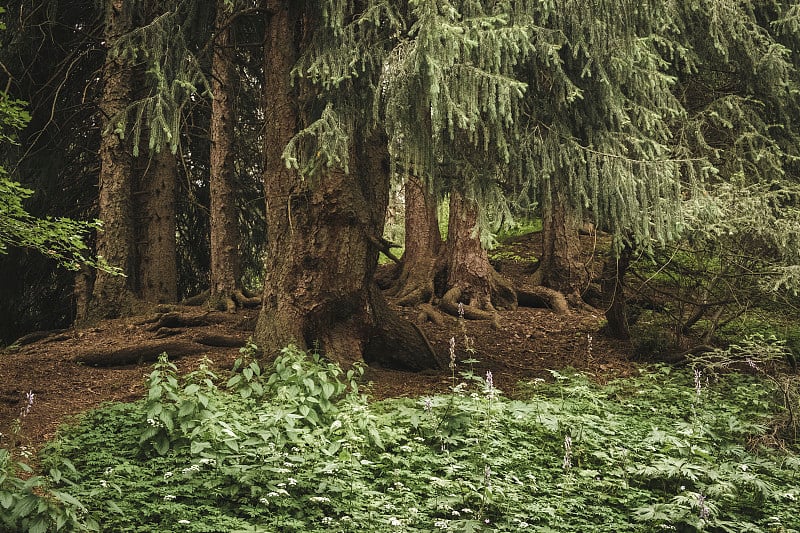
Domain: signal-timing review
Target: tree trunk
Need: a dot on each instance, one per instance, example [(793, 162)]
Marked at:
[(112, 295), (471, 279), (224, 227), (560, 267), (423, 245), (155, 206), (318, 288), (613, 289)]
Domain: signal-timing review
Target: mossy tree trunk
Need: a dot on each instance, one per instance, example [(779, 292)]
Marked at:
[(113, 295), (319, 290), (423, 246), (560, 267), (156, 225), (224, 228), (471, 279)]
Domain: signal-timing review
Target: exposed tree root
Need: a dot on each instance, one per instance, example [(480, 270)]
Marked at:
[(37, 336), (429, 312), (220, 341), (198, 299), (244, 300), (178, 320), (228, 302), (542, 297), (450, 301), (134, 355), (395, 342)]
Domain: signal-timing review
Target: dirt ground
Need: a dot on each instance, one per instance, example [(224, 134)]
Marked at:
[(527, 343)]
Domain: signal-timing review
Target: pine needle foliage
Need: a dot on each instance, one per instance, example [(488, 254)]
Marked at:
[(513, 95), (628, 107), (738, 78), (161, 45)]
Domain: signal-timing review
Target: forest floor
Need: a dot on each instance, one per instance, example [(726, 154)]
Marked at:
[(60, 370)]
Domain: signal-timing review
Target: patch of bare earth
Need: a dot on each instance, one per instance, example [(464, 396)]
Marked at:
[(62, 368)]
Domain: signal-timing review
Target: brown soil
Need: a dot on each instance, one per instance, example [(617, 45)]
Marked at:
[(526, 344)]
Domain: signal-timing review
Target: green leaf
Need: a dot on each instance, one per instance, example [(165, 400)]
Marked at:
[(328, 390), (38, 526), (6, 499), (24, 506), (198, 446)]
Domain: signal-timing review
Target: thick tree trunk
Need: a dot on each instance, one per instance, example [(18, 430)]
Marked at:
[(155, 208), (112, 295), (224, 227), (471, 279), (560, 267), (318, 287), (423, 244)]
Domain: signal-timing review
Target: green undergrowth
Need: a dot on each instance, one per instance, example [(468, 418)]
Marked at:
[(299, 448)]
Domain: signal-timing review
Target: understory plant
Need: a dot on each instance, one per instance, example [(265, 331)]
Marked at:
[(30, 502), (297, 447)]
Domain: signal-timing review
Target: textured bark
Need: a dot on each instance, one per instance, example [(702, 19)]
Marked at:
[(613, 290), (224, 227), (468, 268), (423, 245), (318, 287), (112, 295), (155, 208), (560, 267)]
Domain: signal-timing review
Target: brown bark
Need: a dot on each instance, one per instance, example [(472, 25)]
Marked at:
[(155, 208), (224, 227), (112, 295), (613, 290), (318, 287), (560, 267), (423, 245), (468, 269)]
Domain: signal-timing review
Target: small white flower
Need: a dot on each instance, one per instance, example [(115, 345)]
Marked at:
[(103, 483), (396, 522), (273, 494), (167, 475), (327, 520), (108, 471), (184, 522), (292, 481), (169, 497), (263, 501)]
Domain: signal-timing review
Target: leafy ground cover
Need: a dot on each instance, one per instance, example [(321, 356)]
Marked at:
[(299, 448)]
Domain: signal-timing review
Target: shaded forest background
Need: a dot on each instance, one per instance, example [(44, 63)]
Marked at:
[(248, 152)]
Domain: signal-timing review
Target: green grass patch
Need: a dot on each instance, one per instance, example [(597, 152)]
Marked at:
[(299, 448)]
